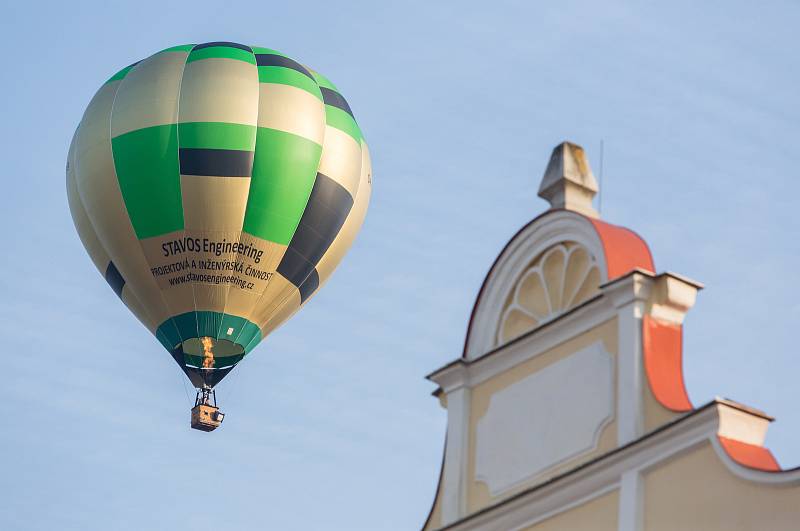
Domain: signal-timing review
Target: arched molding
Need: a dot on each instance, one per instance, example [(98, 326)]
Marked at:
[(559, 279), (539, 235)]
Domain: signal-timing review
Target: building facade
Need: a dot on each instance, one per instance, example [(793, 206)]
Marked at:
[(567, 409)]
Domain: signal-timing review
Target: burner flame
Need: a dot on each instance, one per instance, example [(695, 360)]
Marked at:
[(208, 355)]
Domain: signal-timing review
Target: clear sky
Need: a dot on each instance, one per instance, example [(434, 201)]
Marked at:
[(330, 423)]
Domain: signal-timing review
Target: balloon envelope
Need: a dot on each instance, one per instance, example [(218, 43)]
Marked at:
[(216, 187)]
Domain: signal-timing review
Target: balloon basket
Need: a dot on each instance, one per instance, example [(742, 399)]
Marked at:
[(206, 416)]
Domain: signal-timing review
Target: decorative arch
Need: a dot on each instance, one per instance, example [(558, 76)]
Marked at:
[(559, 279), (615, 251)]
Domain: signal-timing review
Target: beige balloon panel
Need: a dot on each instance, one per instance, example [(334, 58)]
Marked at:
[(214, 90), (89, 238), (100, 196), (142, 99)]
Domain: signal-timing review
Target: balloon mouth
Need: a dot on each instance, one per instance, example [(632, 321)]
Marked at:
[(206, 360)]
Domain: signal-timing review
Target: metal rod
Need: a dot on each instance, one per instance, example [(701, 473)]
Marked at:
[(600, 199)]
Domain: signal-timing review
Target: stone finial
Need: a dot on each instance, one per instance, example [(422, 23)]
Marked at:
[(568, 181)]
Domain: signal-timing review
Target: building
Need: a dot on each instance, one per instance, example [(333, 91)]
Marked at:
[(567, 408)]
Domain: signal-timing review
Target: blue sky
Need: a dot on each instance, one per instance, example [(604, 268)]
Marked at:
[(330, 423)]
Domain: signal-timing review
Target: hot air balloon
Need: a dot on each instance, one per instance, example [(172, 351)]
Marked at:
[(216, 187)]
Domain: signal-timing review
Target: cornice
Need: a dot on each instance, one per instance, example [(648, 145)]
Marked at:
[(573, 323), (634, 286)]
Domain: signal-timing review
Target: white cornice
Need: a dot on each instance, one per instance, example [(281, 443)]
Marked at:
[(635, 286), (580, 319), (451, 376)]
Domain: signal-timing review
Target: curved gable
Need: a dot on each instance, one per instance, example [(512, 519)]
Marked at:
[(616, 250)]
